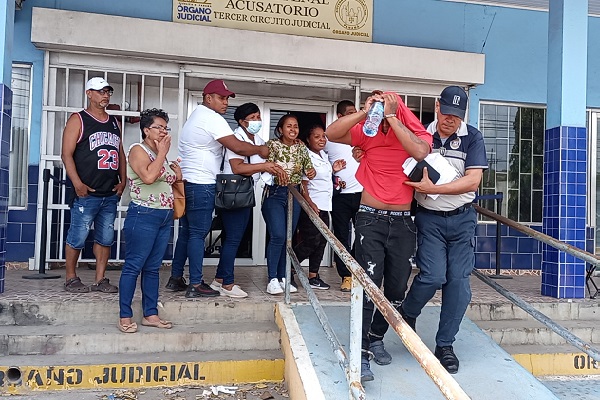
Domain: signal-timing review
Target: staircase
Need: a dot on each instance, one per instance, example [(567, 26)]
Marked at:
[(57, 345)]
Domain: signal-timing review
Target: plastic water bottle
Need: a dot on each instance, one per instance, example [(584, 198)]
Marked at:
[(374, 118)]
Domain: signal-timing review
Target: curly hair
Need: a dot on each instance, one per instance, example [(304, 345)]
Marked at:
[(147, 118)]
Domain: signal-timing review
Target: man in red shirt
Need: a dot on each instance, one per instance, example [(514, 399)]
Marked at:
[(385, 232)]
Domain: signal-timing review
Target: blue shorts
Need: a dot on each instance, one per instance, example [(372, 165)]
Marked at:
[(101, 211)]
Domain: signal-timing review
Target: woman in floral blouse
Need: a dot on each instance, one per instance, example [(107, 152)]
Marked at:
[(149, 217), (292, 155)]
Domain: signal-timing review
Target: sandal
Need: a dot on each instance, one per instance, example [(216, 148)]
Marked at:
[(128, 328), (74, 285), (104, 286), (158, 324)]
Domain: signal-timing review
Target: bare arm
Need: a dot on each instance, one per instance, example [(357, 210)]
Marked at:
[(468, 183), (149, 171), (122, 166), (243, 148), (414, 146), (306, 196), (339, 131), (69, 143)]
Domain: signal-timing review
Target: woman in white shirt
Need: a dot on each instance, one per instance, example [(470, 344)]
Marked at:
[(318, 192), (235, 221)]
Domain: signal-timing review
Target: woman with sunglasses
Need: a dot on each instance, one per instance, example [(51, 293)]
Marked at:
[(149, 218)]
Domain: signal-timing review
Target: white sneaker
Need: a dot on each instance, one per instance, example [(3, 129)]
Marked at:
[(215, 285), (235, 292), (274, 287), (293, 289)]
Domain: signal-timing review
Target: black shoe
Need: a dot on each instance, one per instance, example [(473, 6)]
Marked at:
[(412, 322), (447, 358), (202, 290), (366, 374), (380, 354), (176, 284), (317, 283)]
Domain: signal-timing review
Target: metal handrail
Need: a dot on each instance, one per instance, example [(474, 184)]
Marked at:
[(557, 244), (413, 343)]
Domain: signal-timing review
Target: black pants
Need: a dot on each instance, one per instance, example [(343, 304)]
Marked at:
[(384, 245), (345, 207), (310, 242)]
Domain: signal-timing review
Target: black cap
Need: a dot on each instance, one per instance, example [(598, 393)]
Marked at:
[(453, 101)]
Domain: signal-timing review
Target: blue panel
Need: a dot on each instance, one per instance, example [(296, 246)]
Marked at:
[(482, 260), (13, 232), (19, 251)]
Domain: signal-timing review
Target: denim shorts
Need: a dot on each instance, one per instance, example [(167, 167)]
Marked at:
[(101, 211)]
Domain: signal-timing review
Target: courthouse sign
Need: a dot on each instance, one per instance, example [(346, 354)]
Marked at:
[(335, 19)]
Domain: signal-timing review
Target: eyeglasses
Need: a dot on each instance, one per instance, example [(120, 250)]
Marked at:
[(161, 128), (102, 92)]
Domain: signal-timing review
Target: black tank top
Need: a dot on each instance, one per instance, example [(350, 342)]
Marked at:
[(97, 154)]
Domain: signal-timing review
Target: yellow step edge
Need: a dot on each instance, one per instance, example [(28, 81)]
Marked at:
[(121, 376), (558, 364)]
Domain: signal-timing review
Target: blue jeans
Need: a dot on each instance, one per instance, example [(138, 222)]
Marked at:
[(234, 225), (101, 211), (147, 232), (274, 211), (194, 227), (446, 258)]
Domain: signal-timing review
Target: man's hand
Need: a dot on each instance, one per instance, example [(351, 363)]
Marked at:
[(263, 151), (425, 185), (311, 173), (119, 187), (358, 153), (82, 189), (376, 96), (390, 103), (339, 165)]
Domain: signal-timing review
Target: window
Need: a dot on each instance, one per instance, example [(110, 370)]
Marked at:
[(19, 139), (514, 141)]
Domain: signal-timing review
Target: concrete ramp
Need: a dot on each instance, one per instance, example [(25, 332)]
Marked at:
[(486, 370)]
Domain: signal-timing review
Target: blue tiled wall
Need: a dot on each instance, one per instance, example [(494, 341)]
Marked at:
[(5, 127), (564, 215), (20, 236), (519, 251)]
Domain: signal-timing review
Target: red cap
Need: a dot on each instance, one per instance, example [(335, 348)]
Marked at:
[(218, 87)]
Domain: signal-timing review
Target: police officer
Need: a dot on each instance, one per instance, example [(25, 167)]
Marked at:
[(446, 224)]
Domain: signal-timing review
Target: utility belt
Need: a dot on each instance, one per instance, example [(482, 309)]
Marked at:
[(450, 213), (390, 213)]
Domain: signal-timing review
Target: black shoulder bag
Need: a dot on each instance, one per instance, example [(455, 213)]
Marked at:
[(234, 191)]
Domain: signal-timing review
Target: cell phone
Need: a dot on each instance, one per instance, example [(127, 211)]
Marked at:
[(417, 173)]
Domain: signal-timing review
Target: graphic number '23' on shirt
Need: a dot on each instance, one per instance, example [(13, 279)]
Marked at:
[(96, 154)]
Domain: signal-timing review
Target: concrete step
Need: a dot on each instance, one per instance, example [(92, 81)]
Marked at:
[(105, 338), (22, 374), (180, 312), (520, 332), (555, 311)]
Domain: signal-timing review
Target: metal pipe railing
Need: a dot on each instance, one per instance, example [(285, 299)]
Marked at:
[(413, 343)]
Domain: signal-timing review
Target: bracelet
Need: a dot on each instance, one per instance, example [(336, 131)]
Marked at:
[(365, 111), (389, 115)]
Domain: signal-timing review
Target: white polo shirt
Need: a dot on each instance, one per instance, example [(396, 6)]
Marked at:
[(200, 152), (255, 159), (341, 151), (320, 188)]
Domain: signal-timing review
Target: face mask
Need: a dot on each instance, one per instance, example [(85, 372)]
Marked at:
[(254, 127)]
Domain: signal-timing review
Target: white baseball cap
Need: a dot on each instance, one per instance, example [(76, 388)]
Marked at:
[(97, 84)]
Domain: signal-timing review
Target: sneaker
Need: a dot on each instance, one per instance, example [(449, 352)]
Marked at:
[(447, 358), (104, 286), (215, 285), (293, 288), (235, 292), (365, 368), (202, 290), (274, 287), (176, 284), (317, 283), (346, 285), (380, 354)]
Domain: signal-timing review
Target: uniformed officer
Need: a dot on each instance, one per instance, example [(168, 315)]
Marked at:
[(446, 224)]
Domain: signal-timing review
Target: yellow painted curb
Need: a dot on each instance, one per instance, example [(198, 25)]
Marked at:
[(558, 364), (138, 375)]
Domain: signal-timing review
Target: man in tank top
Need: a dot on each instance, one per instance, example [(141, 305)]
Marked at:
[(93, 156)]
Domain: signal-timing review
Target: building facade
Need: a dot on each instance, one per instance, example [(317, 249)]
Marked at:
[(305, 56)]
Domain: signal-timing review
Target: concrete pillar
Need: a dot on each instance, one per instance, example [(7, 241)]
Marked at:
[(7, 20), (565, 148)]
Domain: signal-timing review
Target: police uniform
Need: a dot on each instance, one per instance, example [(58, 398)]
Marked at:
[(446, 237)]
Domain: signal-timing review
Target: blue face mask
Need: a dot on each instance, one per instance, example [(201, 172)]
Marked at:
[(254, 127)]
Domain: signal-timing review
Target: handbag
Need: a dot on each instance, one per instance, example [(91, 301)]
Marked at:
[(233, 191), (178, 188)]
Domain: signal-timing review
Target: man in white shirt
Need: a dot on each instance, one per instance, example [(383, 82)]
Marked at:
[(201, 150), (345, 203)]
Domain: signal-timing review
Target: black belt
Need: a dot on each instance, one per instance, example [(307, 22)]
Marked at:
[(391, 213), (446, 213)]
